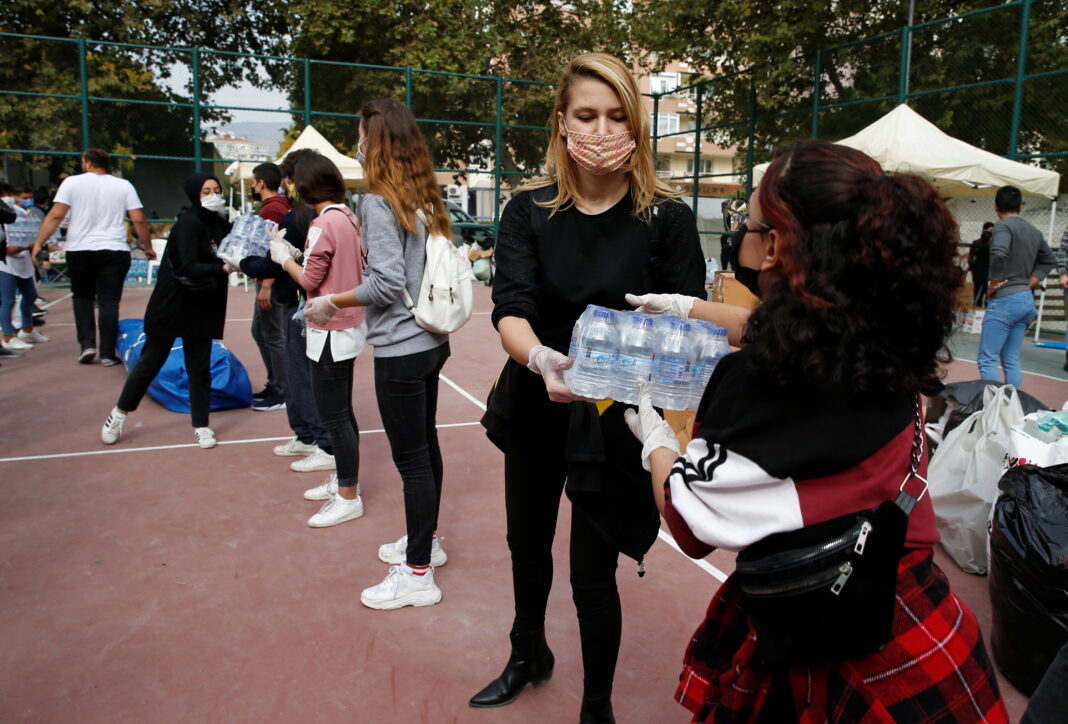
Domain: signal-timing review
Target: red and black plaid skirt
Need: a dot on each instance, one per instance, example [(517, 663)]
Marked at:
[(935, 668)]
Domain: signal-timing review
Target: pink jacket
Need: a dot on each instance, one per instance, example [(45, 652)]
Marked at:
[(333, 262)]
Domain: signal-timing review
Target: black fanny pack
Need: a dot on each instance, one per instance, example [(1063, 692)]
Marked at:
[(196, 285), (826, 592)]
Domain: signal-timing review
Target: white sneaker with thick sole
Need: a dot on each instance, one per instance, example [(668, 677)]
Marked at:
[(17, 344), (112, 430), (400, 589), (318, 460), (294, 448), (397, 552), (324, 490), (205, 437), (336, 510), (33, 336)]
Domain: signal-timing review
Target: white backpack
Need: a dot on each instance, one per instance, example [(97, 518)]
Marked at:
[(445, 297)]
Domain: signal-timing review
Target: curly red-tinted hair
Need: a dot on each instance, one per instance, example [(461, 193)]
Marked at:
[(865, 292)]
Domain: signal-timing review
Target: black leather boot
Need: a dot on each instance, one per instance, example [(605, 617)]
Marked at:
[(531, 662), (597, 711)]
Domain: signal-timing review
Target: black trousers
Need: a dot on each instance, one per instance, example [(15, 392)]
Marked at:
[(197, 364), (96, 278), (407, 392), (534, 474), (332, 386)]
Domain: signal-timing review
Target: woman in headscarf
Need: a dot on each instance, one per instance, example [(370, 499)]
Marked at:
[(189, 301)]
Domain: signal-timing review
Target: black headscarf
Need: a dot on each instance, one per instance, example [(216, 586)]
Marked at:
[(194, 183)]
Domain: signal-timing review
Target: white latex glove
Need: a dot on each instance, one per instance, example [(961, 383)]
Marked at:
[(551, 364), (648, 426), (320, 310), (280, 251), (677, 304), (279, 235), (230, 264)]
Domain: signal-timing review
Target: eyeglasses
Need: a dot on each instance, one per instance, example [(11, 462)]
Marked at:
[(746, 219)]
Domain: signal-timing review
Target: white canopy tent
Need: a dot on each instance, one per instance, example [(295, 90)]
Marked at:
[(240, 172), (903, 140)]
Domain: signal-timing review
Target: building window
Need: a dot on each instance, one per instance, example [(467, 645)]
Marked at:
[(706, 165), (663, 83), (665, 123)]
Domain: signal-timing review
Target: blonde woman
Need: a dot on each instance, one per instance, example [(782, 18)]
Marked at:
[(403, 203), (598, 226)]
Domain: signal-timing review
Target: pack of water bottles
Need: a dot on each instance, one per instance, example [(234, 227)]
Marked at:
[(250, 236), (612, 350), (23, 230)]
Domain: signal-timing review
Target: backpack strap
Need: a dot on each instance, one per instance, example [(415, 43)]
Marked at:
[(405, 296)]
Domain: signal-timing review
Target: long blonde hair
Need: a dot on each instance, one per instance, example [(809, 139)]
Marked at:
[(560, 169), (398, 165)]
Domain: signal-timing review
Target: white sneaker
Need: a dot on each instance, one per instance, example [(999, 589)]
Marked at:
[(318, 460), (33, 336), (397, 552), (324, 491), (112, 430), (401, 588), (17, 344), (336, 510), (294, 447), (204, 437)]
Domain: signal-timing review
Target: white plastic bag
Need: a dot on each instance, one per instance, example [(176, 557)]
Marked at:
[(1029, 450), (964, 473)]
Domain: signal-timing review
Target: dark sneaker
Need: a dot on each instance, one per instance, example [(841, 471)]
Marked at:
[(9, 353), (109, 362), (272, 401), (263, 394), (87, 356)]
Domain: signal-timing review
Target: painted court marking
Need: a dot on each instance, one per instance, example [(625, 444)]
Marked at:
[(118, 451)]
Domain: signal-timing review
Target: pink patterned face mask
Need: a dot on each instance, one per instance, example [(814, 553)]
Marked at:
[(598, 154)]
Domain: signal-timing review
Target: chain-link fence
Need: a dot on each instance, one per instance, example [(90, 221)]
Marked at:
[(995, 78)]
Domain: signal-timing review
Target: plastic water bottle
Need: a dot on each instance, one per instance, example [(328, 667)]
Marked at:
[(673, 365), (637, 348), (584, 318), (595, 357), (712, 346)]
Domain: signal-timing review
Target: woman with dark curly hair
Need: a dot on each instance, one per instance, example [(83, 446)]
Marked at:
[(816, 421)]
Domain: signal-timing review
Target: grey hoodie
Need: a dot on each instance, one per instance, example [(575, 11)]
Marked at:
[(395, 260)]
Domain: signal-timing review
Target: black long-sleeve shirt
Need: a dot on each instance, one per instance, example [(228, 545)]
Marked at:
[(548, 278)]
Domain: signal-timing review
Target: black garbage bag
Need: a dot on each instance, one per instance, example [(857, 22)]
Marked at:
[(1028, 575)]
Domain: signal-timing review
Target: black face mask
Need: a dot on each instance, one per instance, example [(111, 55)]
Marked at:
[(746, 276)]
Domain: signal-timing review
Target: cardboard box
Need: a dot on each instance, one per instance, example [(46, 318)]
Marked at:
[(727, 289)]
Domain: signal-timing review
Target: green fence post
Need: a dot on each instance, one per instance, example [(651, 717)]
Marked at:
[(1021, 71), (697, 146), (307, 92), (408, 88), (903, 66), (752, 136), (83, 77), (656, 127), (197, 158), (816, 94), (499, 129)]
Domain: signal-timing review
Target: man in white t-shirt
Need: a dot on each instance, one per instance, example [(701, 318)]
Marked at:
[(98, 254)]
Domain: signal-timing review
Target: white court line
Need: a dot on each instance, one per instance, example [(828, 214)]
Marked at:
[(481, 405), (118, 451), (1036, 374), (46, 305), (662, 534)]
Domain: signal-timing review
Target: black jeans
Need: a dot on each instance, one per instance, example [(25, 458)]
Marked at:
[(1051, 695), (407, 392), (96, 277), (332, 386), (197, 363), (269, 332), (300, 403), (534, 474)]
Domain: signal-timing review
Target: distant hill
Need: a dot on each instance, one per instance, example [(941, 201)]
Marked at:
[(264, 132)]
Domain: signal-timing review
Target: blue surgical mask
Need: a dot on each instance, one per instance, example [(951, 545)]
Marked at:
[(26, 203), (360, 158)]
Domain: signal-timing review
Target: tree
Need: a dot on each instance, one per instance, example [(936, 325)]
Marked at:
[(778, 42)]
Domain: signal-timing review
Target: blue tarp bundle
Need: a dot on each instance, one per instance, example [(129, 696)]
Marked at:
[(230, 385)]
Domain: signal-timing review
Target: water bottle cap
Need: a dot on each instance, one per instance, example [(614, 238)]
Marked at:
[(684, 326), (602, 313), (641, 320), (719, 332)]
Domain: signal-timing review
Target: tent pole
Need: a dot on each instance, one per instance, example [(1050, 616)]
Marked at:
[(1052, 219)]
